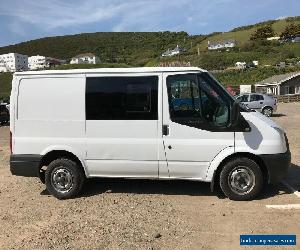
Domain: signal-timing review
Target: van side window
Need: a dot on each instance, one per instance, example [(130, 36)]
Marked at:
[(138, 97), (122, 98), (194, 102)]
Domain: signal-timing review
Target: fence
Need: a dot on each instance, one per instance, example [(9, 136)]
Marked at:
[(288, 98)]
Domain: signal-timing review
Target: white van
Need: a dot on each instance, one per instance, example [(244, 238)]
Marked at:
[(152, 123)]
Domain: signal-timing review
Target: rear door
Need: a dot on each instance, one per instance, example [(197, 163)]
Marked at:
[(192, 133), (256, 101), (122, 118)]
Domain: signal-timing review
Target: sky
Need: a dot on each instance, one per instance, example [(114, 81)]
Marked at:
[(23, 20)]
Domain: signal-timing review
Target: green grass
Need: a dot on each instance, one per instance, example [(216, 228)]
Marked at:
[(252, 76), (5, 85)]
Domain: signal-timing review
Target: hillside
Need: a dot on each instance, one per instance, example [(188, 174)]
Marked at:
[(242, 34), (121, 49), (134, 48), (145, 48)]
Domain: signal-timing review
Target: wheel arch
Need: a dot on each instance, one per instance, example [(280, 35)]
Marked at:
[(55, 154), (255, 158), (267, 106)]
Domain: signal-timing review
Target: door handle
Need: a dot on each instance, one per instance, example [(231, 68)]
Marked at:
[(165, 129), (261, 103)]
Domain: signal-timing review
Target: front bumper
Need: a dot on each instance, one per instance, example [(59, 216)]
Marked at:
[(25, 165), (277, 165)]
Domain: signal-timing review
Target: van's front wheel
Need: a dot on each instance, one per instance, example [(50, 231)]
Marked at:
[(64, 179), (241, 179)]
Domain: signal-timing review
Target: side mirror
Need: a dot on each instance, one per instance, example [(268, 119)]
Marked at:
[(234, 114)]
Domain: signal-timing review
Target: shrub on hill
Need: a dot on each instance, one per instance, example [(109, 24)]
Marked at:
[(291, 30), (262, 33)]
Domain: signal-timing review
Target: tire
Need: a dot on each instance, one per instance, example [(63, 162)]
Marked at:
[(64, 178), (267, 111), (241, 179)]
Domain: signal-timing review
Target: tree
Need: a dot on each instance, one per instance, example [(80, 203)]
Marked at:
[(262, 33), (290, 30)]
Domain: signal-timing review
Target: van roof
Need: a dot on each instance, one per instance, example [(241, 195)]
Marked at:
[(111, 70)]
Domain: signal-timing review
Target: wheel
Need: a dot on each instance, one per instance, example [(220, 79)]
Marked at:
[(241, 179), (64, 178), (267, 111)]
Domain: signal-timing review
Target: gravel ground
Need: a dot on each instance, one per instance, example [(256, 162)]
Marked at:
[(139, 214)]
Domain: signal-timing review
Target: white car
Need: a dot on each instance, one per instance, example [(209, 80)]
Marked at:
[(265, 104), (151, 123)]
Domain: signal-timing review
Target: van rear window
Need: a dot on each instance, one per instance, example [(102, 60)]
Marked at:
[(122, 98)]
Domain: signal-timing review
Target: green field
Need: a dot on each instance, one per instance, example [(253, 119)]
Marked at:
[(127, 49)]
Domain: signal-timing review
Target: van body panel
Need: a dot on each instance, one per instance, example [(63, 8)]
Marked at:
[(113, 144), (127, 147), (266, 137), (215, 163), (49, 114)]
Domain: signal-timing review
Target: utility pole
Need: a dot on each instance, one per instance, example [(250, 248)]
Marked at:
[(198, 49)]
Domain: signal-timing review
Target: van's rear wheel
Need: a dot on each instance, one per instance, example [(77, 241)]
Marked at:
[(64, 178), (241, 179)]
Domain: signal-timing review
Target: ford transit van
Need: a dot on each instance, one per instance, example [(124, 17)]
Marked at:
[(151, 123)]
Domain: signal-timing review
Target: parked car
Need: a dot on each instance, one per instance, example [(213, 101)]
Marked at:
[(70, 125), (4, 114), (265, 104)]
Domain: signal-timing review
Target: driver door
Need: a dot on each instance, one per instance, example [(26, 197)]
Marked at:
[(192, 111)]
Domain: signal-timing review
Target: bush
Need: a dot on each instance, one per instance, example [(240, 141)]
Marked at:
[(5, 85), (262, 33), (250, 76), (290, 30)]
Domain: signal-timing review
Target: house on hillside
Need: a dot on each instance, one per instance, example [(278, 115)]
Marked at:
[(273, 38), (173, 52), (13, 62), (87, 58), (41, 62), (230, 43), (285, 84), (240, 65)]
